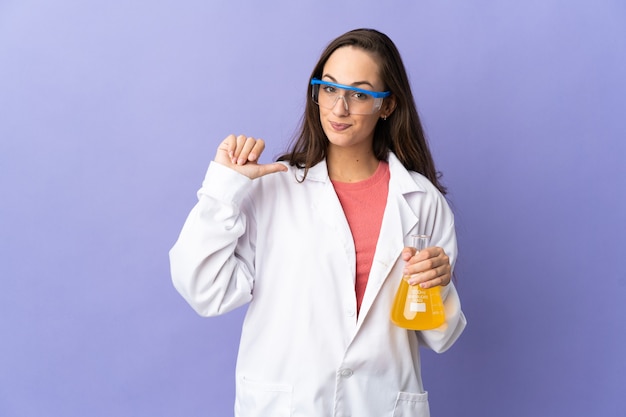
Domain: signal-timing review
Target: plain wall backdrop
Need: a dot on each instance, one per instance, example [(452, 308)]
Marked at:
[(111, 111)]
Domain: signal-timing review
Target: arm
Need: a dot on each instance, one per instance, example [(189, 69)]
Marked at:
[(432, 267), (212, 262)]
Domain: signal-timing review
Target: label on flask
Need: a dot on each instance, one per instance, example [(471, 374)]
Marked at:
[(417, 307)]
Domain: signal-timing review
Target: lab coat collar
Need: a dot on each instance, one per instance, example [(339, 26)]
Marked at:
[(406, 184), (400, 216), (318, 172)]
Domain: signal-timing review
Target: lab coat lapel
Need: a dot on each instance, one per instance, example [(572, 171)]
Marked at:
[(399, 220), (329, 210)]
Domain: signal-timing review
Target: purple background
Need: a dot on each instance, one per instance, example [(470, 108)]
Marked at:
[(111, 111)]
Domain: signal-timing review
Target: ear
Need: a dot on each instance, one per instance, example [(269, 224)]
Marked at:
[(389, 105)]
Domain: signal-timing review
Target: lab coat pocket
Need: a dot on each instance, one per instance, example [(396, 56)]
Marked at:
[(262, 399), (411, 405)]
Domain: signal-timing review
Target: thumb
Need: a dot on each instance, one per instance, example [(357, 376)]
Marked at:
[(407, 253), (272, 168)]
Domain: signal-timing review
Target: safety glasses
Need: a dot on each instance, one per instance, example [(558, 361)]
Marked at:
[(355, 100)]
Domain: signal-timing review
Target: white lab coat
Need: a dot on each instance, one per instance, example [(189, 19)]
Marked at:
[(285, 248)]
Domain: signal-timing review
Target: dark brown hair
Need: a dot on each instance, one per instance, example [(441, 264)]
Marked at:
[(401, 133)]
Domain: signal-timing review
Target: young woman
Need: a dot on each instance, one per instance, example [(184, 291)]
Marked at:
[(315, 243)]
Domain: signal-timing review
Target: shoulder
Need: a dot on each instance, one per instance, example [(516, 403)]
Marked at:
[(415, 186), (409, 181), (424, 183)]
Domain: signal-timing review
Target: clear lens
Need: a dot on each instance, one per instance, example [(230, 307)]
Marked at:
[(355, 102)]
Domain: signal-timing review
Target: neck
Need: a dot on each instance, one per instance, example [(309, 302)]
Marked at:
[(346, 165)]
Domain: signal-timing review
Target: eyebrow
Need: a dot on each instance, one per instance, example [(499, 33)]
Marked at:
[(354, 84)]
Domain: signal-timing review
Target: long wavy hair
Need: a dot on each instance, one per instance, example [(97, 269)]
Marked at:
[(401, 133)]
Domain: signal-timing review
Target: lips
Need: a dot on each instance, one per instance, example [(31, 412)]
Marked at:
[(339, 127)]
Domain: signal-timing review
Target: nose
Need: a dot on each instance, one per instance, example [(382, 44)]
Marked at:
[(343, 109)]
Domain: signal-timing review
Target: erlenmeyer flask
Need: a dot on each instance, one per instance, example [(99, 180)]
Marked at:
[(414, 307)]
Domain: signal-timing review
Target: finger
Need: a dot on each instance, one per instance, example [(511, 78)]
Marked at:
[(442, 276), (425, 280), (407, 253), (225, 150), (427, 253), (439, 281), (432, 278), (228, 143), (257, 150), (248, 145), (239, 142), (431, 257), (414, 266), (434, 270)]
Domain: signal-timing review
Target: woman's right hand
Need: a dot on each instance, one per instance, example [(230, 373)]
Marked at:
[(241, 153)]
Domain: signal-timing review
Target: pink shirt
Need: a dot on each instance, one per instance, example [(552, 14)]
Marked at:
[(364, 203)]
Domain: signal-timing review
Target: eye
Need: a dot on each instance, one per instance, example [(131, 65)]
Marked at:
[(329, 89), (357, 96)]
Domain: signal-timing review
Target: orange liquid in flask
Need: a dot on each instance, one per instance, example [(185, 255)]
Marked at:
[(414, 307)]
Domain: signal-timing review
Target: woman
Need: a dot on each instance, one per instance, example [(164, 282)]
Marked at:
[(315, 244)]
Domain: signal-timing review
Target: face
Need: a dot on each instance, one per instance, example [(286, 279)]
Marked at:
[(356, 68)]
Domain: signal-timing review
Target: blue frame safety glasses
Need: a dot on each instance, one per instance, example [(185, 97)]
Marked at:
[(355, 100)]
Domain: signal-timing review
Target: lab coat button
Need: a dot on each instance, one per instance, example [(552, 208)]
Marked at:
[(350, 312), (346, 373)]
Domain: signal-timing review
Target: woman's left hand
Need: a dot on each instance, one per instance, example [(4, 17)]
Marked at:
[(428, 268)]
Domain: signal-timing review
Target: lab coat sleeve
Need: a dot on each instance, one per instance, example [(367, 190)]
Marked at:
[(443, 337), (212, 261)]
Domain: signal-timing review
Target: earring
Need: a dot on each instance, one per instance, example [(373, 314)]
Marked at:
[(385, 117)]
